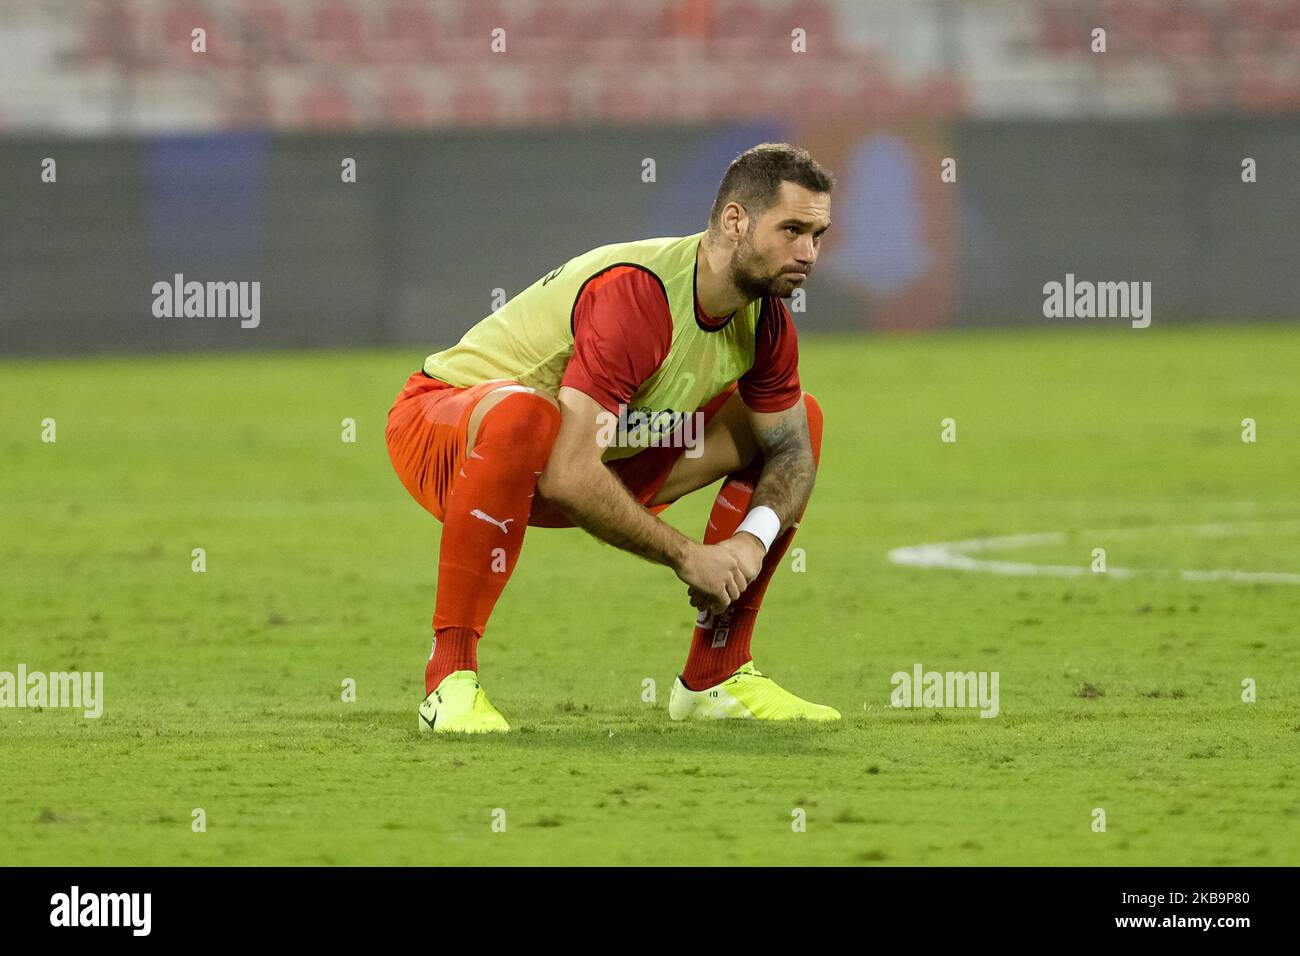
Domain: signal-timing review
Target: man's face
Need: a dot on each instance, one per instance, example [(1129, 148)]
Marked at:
[(777, 252)]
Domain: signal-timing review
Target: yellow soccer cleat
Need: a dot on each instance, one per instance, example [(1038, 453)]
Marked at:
[(459, 706), (745, 694)]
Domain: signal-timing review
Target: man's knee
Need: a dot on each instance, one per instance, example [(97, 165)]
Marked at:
[(530, 415), (814, 411), (524, 418)]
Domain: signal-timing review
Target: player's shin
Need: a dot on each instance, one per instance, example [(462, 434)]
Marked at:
[(483, 531), (720, 643)]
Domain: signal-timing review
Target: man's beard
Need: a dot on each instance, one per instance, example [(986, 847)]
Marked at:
[(752, 283)]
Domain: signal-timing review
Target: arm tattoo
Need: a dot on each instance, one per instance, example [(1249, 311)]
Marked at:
[(788, 466)]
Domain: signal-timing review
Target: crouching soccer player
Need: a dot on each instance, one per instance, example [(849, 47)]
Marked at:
[(509, 428)]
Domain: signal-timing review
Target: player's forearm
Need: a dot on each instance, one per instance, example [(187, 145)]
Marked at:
[(789, 469), (600, 504), (786, 483)]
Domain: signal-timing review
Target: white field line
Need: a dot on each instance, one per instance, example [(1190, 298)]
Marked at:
[(956, 555)]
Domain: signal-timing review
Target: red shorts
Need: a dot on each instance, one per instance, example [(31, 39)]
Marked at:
[(428, 428)]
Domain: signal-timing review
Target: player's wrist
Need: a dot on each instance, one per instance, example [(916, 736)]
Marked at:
[(751, 540), (763, 523), (678, 552)]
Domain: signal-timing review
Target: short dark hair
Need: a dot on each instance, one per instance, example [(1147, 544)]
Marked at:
[(754, 177)]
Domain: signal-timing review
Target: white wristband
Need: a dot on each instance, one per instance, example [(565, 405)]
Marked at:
[(763, 524)]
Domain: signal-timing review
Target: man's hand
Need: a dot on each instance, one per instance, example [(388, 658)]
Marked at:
[(749, 550), (717, 574)]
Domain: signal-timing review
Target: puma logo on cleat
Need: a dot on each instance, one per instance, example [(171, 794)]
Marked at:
[(491, 520), (727, 504)]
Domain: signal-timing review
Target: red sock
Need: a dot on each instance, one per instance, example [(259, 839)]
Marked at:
[(484, 524), (720, 643)]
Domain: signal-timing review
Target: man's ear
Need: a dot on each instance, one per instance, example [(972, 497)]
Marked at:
[(734, 220)]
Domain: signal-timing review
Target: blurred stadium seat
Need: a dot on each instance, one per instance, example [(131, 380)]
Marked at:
[(1003, 57), (886, 90)]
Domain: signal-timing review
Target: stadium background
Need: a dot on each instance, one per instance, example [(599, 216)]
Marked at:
[(480, 170)]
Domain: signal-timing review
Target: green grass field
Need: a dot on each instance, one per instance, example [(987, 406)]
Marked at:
[(223, 689)]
